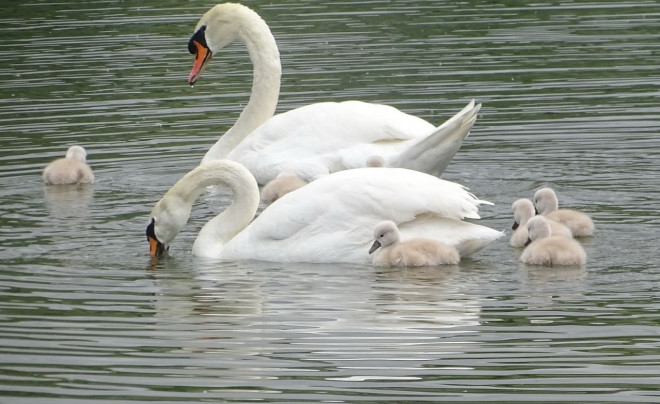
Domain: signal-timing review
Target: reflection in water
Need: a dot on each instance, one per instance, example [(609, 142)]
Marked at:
[(68, 202)]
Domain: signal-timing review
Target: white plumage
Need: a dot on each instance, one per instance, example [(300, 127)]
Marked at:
[(320, 138), (328, 220)]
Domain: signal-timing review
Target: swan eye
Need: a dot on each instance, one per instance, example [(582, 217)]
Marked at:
[(198, 37)]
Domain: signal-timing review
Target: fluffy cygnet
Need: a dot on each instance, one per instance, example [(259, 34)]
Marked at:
[(523, 210), (375, 161), (72, 169), (547, 205), (280, 186), (544, 249), (411, 253)]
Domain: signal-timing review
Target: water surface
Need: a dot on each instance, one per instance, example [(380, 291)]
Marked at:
[(570, 100)]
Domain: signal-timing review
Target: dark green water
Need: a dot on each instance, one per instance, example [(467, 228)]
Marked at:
[(571, 100)]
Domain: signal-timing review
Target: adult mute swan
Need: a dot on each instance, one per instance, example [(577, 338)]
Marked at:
[(72, 169), (319, 138), (523, 210), (415, 252), (328, 220), (546, 203), (545, 249)]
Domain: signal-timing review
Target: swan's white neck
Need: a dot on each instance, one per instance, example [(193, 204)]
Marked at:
[(173, 210), (255, 34)]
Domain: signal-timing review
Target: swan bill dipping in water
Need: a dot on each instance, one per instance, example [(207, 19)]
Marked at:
[(523, 210), (72, 169), (544, 249), (547, 204), (326, 221), (416, 252), (319, 138)]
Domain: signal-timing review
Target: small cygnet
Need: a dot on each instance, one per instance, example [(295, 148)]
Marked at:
[(375, 161), (72, 169), (523, 210), (411, 253), (547, 205), (544, 249), (281, 185)]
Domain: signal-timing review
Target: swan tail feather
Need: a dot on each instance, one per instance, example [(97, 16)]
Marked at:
[(433, 153)]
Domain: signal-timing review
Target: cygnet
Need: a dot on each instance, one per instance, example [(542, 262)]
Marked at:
[(280, 186), (547, 205), (72, 169), (544, 249), (410, 253), (523, 210)]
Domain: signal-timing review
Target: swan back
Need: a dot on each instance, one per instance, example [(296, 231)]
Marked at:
[(332, 218)]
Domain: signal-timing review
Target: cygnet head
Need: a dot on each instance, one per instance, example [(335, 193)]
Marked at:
[(537, 227), (386, 234), (76, 153), (545, 201), (523, 210), (375, 161)]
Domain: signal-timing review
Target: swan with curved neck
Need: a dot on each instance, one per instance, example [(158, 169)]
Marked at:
[(319, 138), (328, 220)]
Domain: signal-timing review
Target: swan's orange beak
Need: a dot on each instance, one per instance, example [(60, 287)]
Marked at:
[(198, 47), (374, 246), (156, 248)]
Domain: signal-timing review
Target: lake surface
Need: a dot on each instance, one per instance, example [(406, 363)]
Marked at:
[(571, 98)]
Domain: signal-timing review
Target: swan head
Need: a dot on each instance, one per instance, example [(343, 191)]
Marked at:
[(166, 221), (537, 227), (385, 234), (76, 153), (217, 28), (545, 201), (523, 209)]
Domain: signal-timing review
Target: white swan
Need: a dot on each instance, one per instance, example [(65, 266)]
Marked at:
[(320, 138), (72, 169), (546, 203), (544, 249), (328, 220), (523, 210), (415, 252)]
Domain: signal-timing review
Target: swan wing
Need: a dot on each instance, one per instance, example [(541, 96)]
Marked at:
[(321, 138), (332, 219)]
